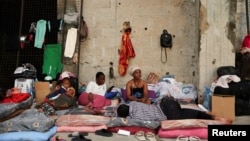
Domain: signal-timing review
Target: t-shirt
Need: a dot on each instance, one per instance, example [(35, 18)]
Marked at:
[(94, 88)]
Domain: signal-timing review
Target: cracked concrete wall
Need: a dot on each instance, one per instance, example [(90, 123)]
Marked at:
[(148, 19), (206, 34)]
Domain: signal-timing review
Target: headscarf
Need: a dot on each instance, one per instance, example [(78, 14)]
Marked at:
[(133, 68)]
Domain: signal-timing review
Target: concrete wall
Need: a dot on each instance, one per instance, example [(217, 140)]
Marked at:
[(147, 18), (216, 48), (207, 34)]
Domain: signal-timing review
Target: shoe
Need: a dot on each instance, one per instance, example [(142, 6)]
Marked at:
[(140, 135), (191, 138), (104, 132), (182, 138), (76, 134), (194, 138), (150, 136)]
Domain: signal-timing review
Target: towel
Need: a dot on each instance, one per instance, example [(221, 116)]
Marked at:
[(70, 42), (40, 33)]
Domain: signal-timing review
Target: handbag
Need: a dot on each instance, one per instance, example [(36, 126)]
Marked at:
[(71, 18)]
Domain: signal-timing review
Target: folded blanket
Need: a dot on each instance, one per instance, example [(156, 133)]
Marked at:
[(29, 120)]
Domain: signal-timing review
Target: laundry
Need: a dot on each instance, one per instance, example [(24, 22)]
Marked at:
[(70, 42), (40, 33)]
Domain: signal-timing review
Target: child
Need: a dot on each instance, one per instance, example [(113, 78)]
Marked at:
[(65, 88)]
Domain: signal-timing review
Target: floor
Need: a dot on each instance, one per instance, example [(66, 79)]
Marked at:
[(116, 137)]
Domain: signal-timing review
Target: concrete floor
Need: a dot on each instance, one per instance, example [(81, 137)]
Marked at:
[(242, 120)]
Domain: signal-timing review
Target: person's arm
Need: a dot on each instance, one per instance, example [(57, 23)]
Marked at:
[(71, 92), (89, 90), (129, 93)]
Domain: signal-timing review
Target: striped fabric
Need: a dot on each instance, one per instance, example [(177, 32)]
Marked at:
[(145, 112)]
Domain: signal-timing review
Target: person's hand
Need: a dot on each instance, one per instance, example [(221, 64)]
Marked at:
[(90, 96), (57, 87)]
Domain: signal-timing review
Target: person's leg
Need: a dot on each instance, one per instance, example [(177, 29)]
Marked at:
[(171, 108), (194, 114)]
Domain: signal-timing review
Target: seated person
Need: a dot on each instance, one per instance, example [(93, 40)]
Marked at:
[(65, 87), (136, 88), (93, 97), (167, 109), (61, 98)]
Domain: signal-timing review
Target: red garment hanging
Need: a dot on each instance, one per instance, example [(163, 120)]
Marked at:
[(126, 52)]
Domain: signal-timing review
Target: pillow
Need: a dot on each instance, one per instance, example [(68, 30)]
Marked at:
[(117, 121), (81, 120), (189, 123), (174, 133), (131, 129)]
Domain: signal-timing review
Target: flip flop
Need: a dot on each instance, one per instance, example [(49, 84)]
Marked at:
[(140, 135), (194, 138), (150, 136), (182, 138)]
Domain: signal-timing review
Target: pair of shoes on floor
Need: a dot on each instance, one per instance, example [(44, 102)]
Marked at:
[(76, 134), (191, 138), (142, 136), (79, 136)]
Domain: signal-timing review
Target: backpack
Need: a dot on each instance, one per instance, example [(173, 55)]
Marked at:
[(83, 30), (166, 42), (27, 70)]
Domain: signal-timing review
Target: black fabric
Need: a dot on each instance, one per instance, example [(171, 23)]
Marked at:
[(242, 106), (242, 98), (194, 114), (227, 70), (170, 108)]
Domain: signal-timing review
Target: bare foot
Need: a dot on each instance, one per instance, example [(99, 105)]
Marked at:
[(224, 120)]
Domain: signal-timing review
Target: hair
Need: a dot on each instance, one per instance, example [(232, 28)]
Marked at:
[(98, 74), (123, 111)]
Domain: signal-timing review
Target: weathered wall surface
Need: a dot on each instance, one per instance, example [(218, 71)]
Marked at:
[(216, 48), (147, 18), (207, 33)]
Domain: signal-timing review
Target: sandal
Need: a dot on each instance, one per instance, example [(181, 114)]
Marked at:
[(191, 138), (182, 138), (150, 136), (140, 135), (194, 138)]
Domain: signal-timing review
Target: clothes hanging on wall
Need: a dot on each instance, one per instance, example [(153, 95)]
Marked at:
[(40, 33), (70, 42), (127, 52), (52, 64)]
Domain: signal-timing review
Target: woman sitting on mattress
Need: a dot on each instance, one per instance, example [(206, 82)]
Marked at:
[(136, 88), (93, 97)]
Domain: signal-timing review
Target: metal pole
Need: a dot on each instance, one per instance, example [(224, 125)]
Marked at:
[(20, 32), (247, 18)]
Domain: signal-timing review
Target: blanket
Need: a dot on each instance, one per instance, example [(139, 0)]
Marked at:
[(29, 120)]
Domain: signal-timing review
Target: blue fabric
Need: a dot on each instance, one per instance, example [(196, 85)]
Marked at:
[(110, 95), (28, 135)]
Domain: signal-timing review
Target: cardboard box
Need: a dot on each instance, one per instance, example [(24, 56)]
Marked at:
[(224, 106), (41, 90)]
